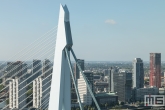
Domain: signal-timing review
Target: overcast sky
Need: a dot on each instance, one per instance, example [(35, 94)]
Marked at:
[(102, 30)]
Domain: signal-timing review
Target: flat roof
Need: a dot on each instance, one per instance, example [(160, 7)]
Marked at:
[(105, 94)]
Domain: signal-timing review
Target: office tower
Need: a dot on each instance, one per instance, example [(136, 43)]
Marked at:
[(138, 73), (17, 93), (82, 88), (37, 92), (14, 69), (155, 69), (122, 85)]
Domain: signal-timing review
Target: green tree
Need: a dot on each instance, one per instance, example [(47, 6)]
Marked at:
[(7, 101), (0, 80), (1, 86), (29, 92)]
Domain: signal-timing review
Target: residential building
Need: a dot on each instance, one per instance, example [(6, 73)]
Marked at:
[(37, 68), (46, 80), (155, 69), (17, 93), (37, 92)]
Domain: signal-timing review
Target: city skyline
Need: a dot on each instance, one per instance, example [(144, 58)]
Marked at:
[(33, 81), (124, 31)]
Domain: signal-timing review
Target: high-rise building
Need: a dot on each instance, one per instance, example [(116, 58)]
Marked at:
[(46, 80), (77, 76), (155, 69), (35, 71), (123, 85), (37, 68), (37, 92), (14, 69), (138, 73), (82, 88), (17, 93), (13, 93), (46, 68)]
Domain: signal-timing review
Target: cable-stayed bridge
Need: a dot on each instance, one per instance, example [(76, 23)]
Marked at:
[(45, 82)]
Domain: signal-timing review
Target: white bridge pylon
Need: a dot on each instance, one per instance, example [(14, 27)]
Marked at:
[(60, 98), (60, 93)]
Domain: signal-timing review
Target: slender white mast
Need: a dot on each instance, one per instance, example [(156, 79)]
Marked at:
[(60, 94)]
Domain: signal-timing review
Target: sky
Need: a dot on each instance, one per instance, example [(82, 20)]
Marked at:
[(102, 30)]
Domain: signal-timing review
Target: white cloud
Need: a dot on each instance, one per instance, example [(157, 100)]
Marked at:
[(110, 21)]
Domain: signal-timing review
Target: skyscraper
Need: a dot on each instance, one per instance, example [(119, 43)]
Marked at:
[(14, 69), (155, 69), (138, 73), (37, 68)]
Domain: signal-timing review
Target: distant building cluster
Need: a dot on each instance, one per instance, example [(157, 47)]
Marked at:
[(111, 85), (114, 85)]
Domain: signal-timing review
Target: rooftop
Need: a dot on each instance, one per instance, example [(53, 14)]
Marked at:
[(105, 94)]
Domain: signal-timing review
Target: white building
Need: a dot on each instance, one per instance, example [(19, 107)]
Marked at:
[(37, 92), (13, 93), (17, 93), (83, 91)]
